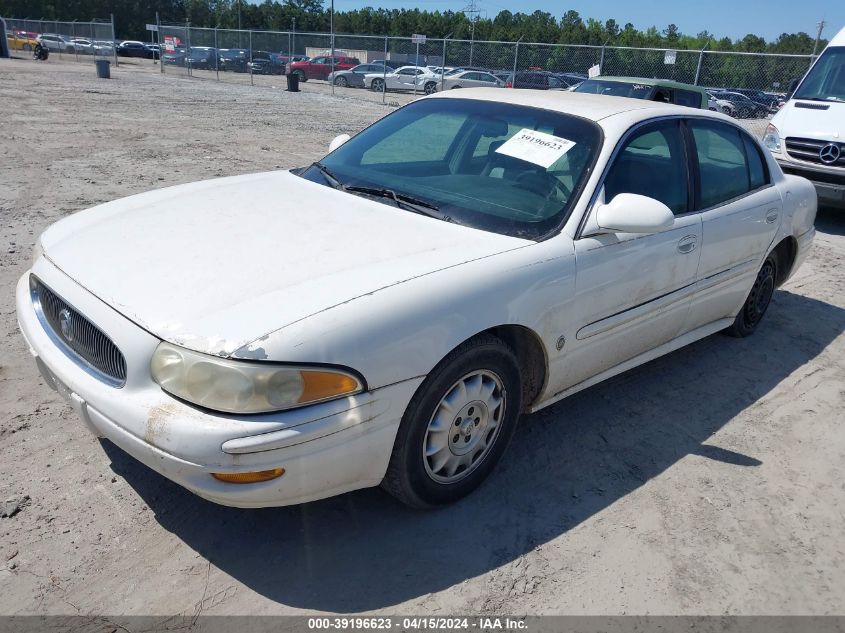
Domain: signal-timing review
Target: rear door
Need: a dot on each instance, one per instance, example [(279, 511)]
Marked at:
[(740, 211), (633, 291)]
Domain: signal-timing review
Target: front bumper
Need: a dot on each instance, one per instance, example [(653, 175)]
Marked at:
[(325, 449), (829, 183)]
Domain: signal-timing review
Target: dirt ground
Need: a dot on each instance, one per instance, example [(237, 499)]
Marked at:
[(707, 482)]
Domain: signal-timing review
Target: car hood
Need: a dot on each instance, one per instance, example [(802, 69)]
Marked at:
[(214, 265), (812, 122)]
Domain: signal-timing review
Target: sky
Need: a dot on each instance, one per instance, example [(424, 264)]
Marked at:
[(731, 18)]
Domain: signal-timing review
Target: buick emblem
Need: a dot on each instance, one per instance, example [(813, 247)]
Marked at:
[(829, 154), (66, 325)]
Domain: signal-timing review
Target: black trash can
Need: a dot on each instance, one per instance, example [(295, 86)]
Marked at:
[(103, 69), (293, 82)]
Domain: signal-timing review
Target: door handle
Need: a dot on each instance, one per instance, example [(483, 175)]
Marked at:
[(687, 244), (771, 216)]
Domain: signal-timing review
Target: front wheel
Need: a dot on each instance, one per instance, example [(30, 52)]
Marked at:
[(758, 300), (457, 425), (341, 81), (430, 88), (301, 74)]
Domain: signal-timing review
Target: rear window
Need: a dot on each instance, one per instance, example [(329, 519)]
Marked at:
[(615, 88)]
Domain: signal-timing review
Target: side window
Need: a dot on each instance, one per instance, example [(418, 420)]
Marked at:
[(652, 163), (722, 166), (758, 174), (688, 98)]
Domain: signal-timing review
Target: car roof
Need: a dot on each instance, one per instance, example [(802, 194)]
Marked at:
[(663, 83), (838, 39), (587, 106)]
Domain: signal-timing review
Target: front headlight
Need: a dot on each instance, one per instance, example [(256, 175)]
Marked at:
[(37, 251), (236, 386), (771, 138)]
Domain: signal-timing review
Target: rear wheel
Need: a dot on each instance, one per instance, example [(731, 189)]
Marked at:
[(430, 87), (758, 300), (457, 425), (378, 85)]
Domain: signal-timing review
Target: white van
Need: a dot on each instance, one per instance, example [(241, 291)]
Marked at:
[(807, 136)]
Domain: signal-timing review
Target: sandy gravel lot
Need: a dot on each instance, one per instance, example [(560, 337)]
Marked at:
[(707, 482)]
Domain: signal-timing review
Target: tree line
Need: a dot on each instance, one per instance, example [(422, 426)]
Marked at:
[(131, 16)]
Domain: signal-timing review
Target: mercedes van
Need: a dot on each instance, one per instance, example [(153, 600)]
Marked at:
[(807, 136)]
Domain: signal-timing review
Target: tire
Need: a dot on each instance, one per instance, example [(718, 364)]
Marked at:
[(301, 74), (430, 87), (758, 300), (455, 87), (471, 428), (341, 81), (377, 85)]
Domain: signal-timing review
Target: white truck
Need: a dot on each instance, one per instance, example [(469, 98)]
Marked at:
[(807, 136)]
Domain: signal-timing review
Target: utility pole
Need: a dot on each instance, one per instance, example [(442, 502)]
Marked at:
[(473, 10), (239, 22), (821, 26)]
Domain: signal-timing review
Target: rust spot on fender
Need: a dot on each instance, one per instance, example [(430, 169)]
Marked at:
[(157, 420)]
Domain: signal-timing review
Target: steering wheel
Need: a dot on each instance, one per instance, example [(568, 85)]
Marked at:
[(542, 183)]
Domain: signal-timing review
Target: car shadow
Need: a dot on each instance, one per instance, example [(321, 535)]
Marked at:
[(830, 220), (363, 551)]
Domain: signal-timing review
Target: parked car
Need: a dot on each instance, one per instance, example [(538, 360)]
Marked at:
[(174, 57), (56, 43), (650, 89), (758, 96), (745, 107), (133, 48), (807, 135), (389, 318), (463, 79), (320, 67), (21, 41), (154, 50), (267, 63), (82, 46), (354, 77), (403, 78), (233, 59), (535, 80), (720, 105), (202, 58)]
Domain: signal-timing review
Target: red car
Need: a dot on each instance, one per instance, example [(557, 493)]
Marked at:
[(320, 67)]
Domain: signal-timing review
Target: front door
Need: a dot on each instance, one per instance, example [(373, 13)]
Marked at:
[(633, 291)]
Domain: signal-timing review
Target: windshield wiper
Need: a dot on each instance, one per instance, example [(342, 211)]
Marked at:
[(403, 201), (328, 175)]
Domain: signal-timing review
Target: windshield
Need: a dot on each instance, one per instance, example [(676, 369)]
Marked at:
[(498, 167), (615, 88), (826, 79)]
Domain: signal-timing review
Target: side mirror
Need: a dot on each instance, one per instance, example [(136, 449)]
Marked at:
[(633, 213), (337, 141)]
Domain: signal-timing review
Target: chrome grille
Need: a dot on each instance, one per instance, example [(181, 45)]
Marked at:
[(808, 149), (77, 337)]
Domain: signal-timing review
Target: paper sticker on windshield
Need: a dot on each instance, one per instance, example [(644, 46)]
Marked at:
[(536, 147)]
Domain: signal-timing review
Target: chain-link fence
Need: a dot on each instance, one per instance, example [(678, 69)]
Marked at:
[(382, 68), (76, 41)]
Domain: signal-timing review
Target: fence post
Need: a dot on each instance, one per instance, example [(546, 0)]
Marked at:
[(384, 74), (188, 49), (73, 37), (114, 48), (698, 68), (443, 64), (515, 58), (160, 47), (601, 59), (251, 80), (216, 56)]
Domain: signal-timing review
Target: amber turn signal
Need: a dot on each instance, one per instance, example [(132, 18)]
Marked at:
[(249, 478)]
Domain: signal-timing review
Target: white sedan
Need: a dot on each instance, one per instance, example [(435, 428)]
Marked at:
[(385, 315), (403, 78), (462, 79)]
